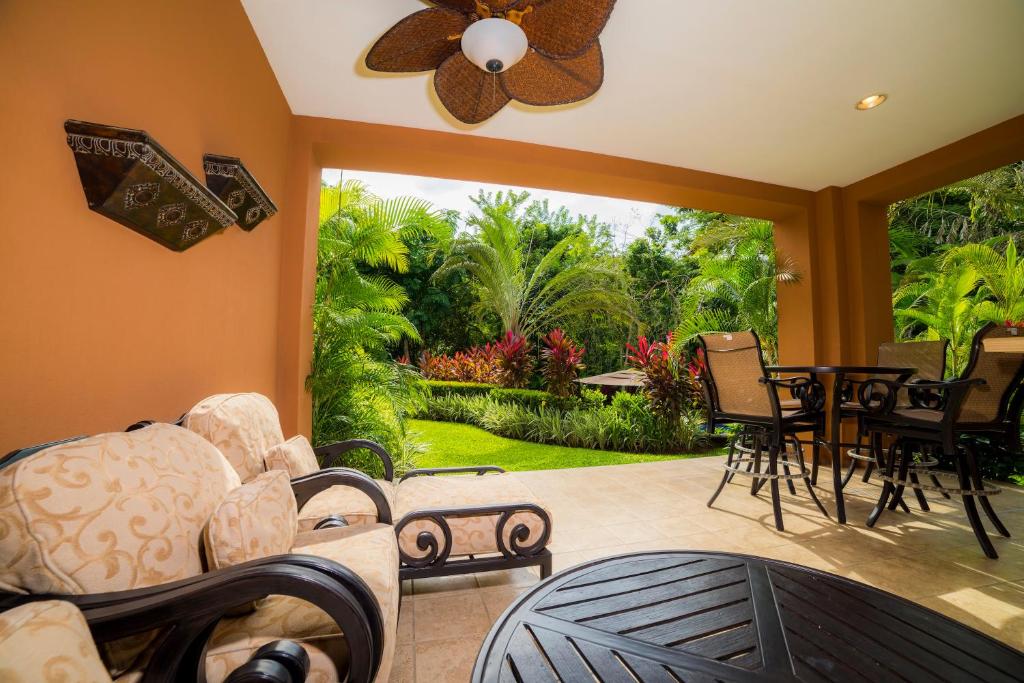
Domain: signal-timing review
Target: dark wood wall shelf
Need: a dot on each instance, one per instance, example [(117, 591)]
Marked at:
[(128, 177), (230, 180)]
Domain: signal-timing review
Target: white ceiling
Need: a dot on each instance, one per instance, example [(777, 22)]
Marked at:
[(759, 89)]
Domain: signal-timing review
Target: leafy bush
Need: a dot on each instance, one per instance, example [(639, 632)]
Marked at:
[(670, 384), (479, 364), (628, 424), (591, 399), (515, 360), (446, 388), (562, 363)]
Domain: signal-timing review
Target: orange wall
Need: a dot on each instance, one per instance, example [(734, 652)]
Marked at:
[(100, 326)]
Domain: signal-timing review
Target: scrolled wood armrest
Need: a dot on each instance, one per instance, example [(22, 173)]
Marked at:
[(307, 486), (811, 392), (479, 470), (330, 454), (186, 611)]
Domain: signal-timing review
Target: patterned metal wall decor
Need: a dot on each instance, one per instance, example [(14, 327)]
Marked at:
[(232, 182), (131, 179)]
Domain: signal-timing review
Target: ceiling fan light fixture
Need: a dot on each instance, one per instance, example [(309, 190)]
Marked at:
[(871, 101), (494, 45)]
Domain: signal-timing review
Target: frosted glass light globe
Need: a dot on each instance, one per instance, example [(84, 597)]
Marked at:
[(494, 45)]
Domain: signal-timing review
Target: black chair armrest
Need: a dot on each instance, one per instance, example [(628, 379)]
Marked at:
[(437, 550), (479, 470), (330, 454), (811, 392), (878, 396), (309, 485), (186, 611)]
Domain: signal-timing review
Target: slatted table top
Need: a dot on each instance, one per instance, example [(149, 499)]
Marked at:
[(703, 617)]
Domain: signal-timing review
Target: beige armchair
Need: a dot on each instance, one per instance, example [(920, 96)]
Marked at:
[(445, 524), (177, 565)]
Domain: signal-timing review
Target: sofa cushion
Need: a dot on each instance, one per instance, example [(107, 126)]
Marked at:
[(371, 552), (242, 426), (295, 456), (108, 513), (351, 503), (255, 520), (48, 641), (470, 534)]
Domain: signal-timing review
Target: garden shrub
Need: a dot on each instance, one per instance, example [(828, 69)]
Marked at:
[(447, 388), (591, 399), (515, 360)]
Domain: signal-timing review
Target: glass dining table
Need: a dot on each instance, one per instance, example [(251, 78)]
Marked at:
[(844, 404)]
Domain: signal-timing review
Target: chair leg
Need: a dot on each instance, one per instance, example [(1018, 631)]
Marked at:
[(755, 483), (815, 458), (922, 502), (867, 472), (729, 456), (887, 486), (986, 505), (721, 485), (853, 461), (785, 469), (972, 510), (773, 483), (545, 567), (810, 488), (904, 470)]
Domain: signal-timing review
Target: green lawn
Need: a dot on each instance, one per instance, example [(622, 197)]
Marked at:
[(457, 445)]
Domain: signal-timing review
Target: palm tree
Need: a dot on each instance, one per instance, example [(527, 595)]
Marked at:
[(735, 288), (532, 295), (941, 304), (357, 389), (1002, 279)]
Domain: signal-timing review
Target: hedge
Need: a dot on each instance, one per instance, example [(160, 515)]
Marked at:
[(441, 388)]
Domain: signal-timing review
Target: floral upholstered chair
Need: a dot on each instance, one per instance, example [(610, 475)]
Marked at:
[(444, 524), (176, 565)]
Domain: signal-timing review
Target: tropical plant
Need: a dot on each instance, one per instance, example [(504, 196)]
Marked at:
[(1001, 276), (530, 291), (357, 389), (668, 382), (941, 304), (514, 360), (563, 361), (735, 287)]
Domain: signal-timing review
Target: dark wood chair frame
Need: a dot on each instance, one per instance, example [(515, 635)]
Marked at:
[(769, 433), (956, 440), (435, 545), (187, 611)]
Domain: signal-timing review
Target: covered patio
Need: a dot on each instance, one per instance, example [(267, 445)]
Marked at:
[(746, 110), (930, 559)]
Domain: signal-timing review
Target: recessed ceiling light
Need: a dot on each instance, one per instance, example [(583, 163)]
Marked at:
[(871, 101)]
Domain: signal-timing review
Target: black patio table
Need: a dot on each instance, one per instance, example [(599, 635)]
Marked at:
[(835, 417), (704, 616)]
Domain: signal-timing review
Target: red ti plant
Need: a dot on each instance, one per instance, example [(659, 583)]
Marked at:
[(515, 360), (562, 363), (666, 381)]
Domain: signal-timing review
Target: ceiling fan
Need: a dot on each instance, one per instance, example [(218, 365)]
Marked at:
[(489, 52)]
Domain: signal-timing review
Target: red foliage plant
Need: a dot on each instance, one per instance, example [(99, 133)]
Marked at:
[(562, 363), (515, 360), (671, 385), (478, 364)]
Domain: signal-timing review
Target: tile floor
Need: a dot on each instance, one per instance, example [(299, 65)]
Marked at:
[(931, 558)]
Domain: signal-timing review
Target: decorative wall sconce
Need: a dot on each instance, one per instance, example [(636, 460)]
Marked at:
[(232, 182), (128, 177)]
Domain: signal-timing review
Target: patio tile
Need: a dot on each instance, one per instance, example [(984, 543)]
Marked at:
[(457, 615), (446, 660), (403, 670), (931, 557)]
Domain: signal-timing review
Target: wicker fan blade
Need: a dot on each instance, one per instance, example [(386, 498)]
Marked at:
[(420, 42), (565, 28), (543, 81), (469, 93), (469, 6)]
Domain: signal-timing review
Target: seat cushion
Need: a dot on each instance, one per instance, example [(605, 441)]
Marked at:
[(368, 550), (295, 456), (48, 641), (925, 414), (473, 534), (242, 426), (255, 520), (351, 503)]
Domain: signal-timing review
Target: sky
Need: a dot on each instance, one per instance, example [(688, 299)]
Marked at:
[(628, 218)]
